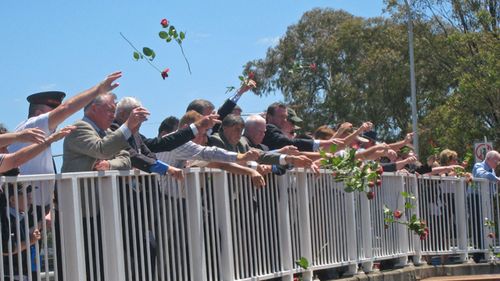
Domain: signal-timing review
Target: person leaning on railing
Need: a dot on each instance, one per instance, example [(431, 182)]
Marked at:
[(486, 169), (218, 157)]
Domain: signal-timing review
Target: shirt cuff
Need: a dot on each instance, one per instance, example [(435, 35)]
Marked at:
[(253, 164), (235, 98), (316, 145), (126, 131), (283, 160), (159, 167), (194, 129)]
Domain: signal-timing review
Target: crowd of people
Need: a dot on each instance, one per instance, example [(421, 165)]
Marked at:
[(108, 137)]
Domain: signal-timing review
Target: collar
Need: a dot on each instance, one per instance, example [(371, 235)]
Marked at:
[(86, 119)]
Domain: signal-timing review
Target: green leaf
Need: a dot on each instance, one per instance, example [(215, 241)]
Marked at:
[(153, 55), (169, 39), (302, 262), (409, 205), (182, 35), (333, 148), (147, 51), (241, 78), (163, 34), (137, 56)]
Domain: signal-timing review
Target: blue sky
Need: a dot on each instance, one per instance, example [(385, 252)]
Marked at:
[(71, 45)]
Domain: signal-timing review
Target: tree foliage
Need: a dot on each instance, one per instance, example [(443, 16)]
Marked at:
[(332, 66)]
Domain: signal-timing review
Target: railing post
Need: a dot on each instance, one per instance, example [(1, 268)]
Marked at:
[(71, 235), (112, 239), (486, 211), (402, 230), (195, 227), (305, 221), (222, 199), (461, 220), (352, 243), (366, 231), (284, 224), (417, 246)]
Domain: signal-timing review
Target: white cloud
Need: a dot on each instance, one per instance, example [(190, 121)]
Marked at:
[(268, 41)]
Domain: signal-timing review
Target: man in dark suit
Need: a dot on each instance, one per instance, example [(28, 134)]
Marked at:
[(230, 138), (276, 117)]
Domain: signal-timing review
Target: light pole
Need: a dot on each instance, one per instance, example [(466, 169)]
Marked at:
[(412, 79)]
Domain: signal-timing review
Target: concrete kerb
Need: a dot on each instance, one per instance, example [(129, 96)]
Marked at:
[(426, 271)]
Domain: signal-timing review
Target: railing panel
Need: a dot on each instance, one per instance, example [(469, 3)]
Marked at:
[(218, 226), (331, 233)]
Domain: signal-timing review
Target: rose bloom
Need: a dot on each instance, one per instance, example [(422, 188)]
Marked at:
[(164, 22), (164, 73)]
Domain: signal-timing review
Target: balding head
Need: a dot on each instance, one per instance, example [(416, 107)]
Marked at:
[(492, 158), (255, 128)]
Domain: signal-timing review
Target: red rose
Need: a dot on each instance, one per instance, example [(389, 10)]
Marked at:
[(423, 236), (164, 23), (380, 170), (491, 235), (164, 73), (398, 214), (371, 184), (251, 75), (370, 195), (379, 182), (313, 66)]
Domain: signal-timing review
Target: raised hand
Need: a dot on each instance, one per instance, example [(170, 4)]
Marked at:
[(109, 84), (136, 117), (207, 122), (247, 85), (33, 135), (60, 134)]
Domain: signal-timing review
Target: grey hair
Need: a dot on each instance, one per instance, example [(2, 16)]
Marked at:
[(127, 104), (100, 99), (252, 120), (492, 154)]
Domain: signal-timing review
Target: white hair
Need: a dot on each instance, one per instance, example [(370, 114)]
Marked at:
[(126, 105), (252, 120), (492, 154)]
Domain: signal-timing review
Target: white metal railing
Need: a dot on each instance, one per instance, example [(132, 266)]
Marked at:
[(217, 226)]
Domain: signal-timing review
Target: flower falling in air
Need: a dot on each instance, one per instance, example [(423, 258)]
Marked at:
[(164, 23), (164, 73)]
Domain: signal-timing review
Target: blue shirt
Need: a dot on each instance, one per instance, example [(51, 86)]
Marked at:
[(483, 170)]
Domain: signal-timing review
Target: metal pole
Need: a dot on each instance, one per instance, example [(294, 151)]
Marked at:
[(412, 79)]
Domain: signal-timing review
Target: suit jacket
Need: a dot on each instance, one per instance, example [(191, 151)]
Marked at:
[(275, 139), (169, 142), (140, 156), (224, 111), (243, 146), (83, 147)]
